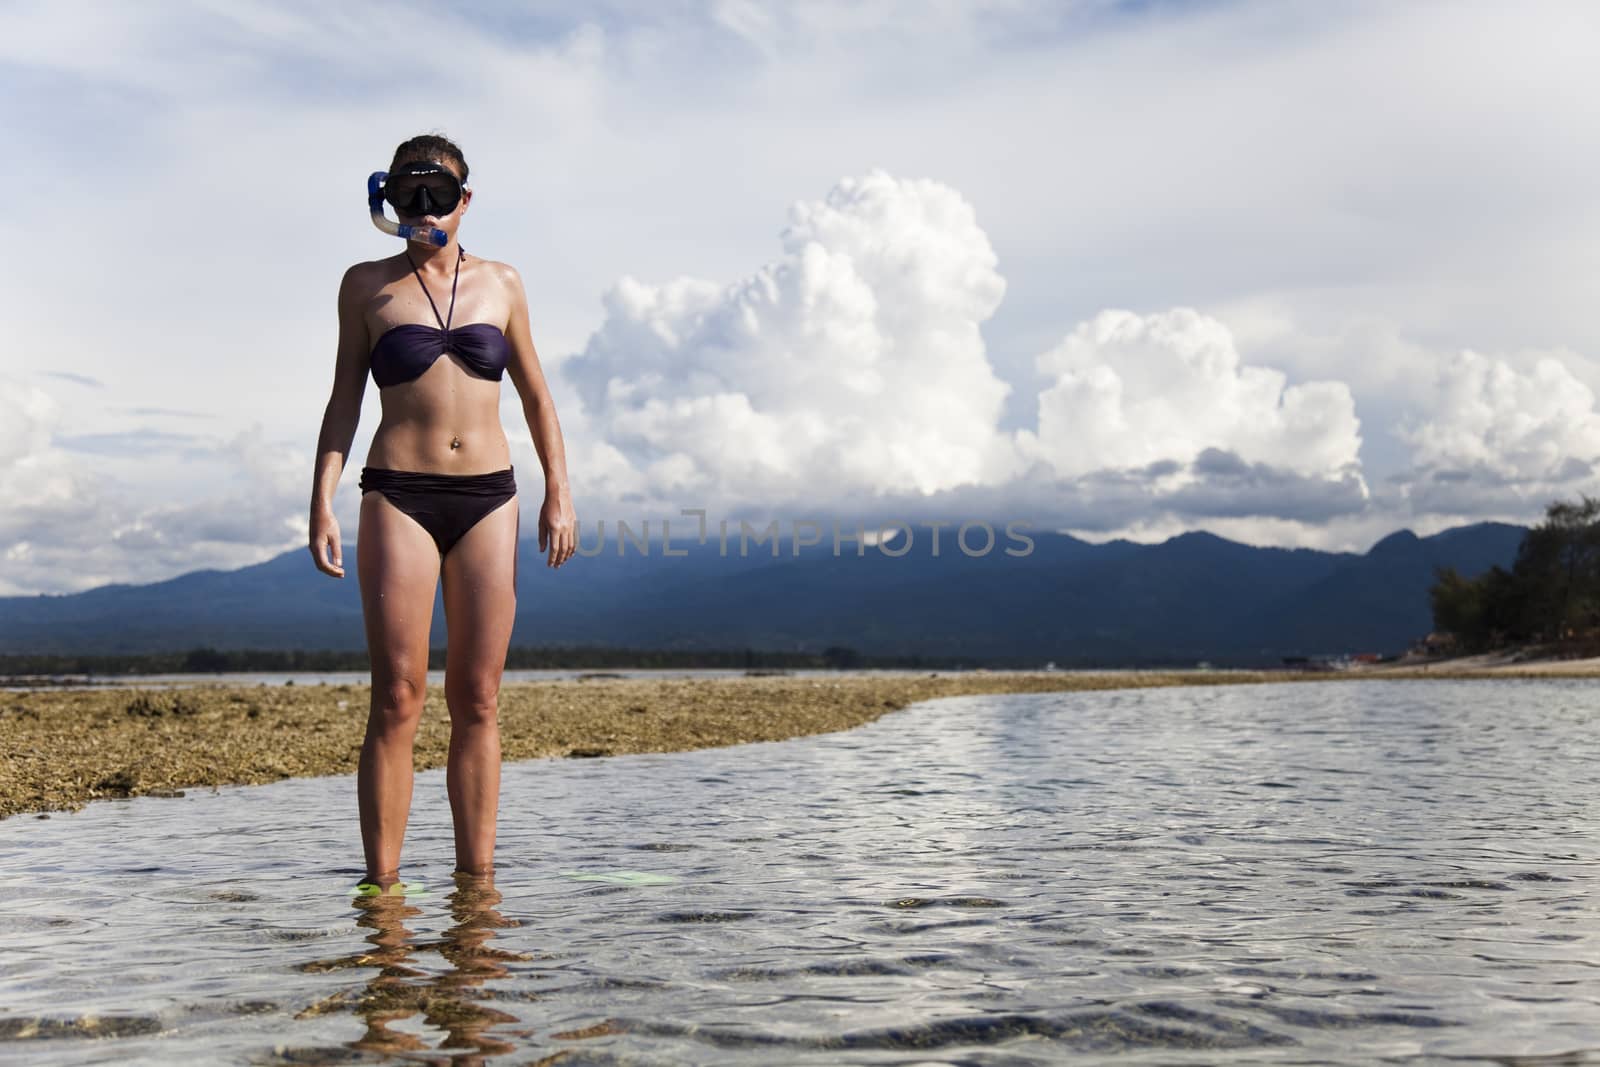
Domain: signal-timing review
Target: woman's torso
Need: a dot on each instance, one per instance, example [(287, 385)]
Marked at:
[(447, 402)]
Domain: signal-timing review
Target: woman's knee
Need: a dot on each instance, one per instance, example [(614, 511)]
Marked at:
[(473, 701), (397, 704)]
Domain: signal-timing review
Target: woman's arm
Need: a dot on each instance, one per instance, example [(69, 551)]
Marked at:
[(339, 421), (558, 525)]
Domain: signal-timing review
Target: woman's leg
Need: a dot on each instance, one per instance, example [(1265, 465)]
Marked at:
[(480, 604), (398, 565)]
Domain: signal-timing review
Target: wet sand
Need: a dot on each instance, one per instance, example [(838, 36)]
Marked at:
[(63, 748)]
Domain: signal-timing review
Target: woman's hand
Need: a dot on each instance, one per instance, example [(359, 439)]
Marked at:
[(558, 526), (325, 542)]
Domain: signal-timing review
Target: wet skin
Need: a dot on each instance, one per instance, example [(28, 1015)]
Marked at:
[(447, 421)]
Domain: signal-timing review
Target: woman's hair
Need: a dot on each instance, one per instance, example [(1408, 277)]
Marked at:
[(429, 146)]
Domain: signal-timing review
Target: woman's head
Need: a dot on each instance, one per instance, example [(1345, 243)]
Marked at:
[(410, 170), (430, 147)]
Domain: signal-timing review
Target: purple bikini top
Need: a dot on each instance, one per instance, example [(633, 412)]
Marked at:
[(404, 352)]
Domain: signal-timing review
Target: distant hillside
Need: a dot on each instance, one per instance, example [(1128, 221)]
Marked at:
[(1194, 597)]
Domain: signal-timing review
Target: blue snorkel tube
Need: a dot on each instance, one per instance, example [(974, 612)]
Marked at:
[(425, 235)]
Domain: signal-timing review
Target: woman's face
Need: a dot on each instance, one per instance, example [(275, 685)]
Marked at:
[(447, 221)]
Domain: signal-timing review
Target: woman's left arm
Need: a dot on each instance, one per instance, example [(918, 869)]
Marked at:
[(558, 525)]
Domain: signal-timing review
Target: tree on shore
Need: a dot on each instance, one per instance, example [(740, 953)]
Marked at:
[(1551, 592), (1561, 561)]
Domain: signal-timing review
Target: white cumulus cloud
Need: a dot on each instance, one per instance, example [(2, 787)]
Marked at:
[(1524, 423), (851, 373), (1502, 436), (1132, 390), (852, 362)]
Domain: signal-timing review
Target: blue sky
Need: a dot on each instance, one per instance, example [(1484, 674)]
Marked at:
[(1295, 273)]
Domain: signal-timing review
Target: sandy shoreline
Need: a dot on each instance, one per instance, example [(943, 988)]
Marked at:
[(63, 748), (1496, 664)]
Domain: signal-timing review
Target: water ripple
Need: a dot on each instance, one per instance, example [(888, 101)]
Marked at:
[(1395, 872)]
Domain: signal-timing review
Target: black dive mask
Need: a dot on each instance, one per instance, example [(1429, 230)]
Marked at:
[(419, 189)]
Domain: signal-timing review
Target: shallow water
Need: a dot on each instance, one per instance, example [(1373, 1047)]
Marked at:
[(1332, 873)]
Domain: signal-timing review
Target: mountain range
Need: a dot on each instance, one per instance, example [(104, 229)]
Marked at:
[(1195, 597)]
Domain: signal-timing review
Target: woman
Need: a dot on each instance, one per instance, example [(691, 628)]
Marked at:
[(438, 497)]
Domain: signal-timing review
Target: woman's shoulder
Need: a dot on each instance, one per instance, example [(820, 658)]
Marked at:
[(365, 279), (504, 273), (382, 265), (368, 270)]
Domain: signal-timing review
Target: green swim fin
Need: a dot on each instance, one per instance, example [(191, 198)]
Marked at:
[(399, 889)]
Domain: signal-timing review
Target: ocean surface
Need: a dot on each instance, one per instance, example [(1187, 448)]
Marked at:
[(1345, 872)]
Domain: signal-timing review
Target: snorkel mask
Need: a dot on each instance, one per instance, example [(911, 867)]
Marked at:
[(414, 189)]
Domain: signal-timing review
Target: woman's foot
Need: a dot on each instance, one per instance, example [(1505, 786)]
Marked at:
[(386, 885)]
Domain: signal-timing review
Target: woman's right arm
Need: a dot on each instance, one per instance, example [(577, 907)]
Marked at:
[(339, 421)]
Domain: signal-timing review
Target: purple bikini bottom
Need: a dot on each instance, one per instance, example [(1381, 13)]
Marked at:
[(445, 505)]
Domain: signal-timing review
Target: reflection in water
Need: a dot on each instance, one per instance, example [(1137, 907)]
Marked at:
[(403, 987)]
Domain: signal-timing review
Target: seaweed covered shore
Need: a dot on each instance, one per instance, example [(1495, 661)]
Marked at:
[(64, 747), (60, 748)]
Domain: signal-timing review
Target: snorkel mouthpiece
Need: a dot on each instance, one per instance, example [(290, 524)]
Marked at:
[(425, 235)]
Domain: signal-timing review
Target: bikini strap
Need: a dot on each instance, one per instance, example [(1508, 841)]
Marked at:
[(461, 254), (444, 323)]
